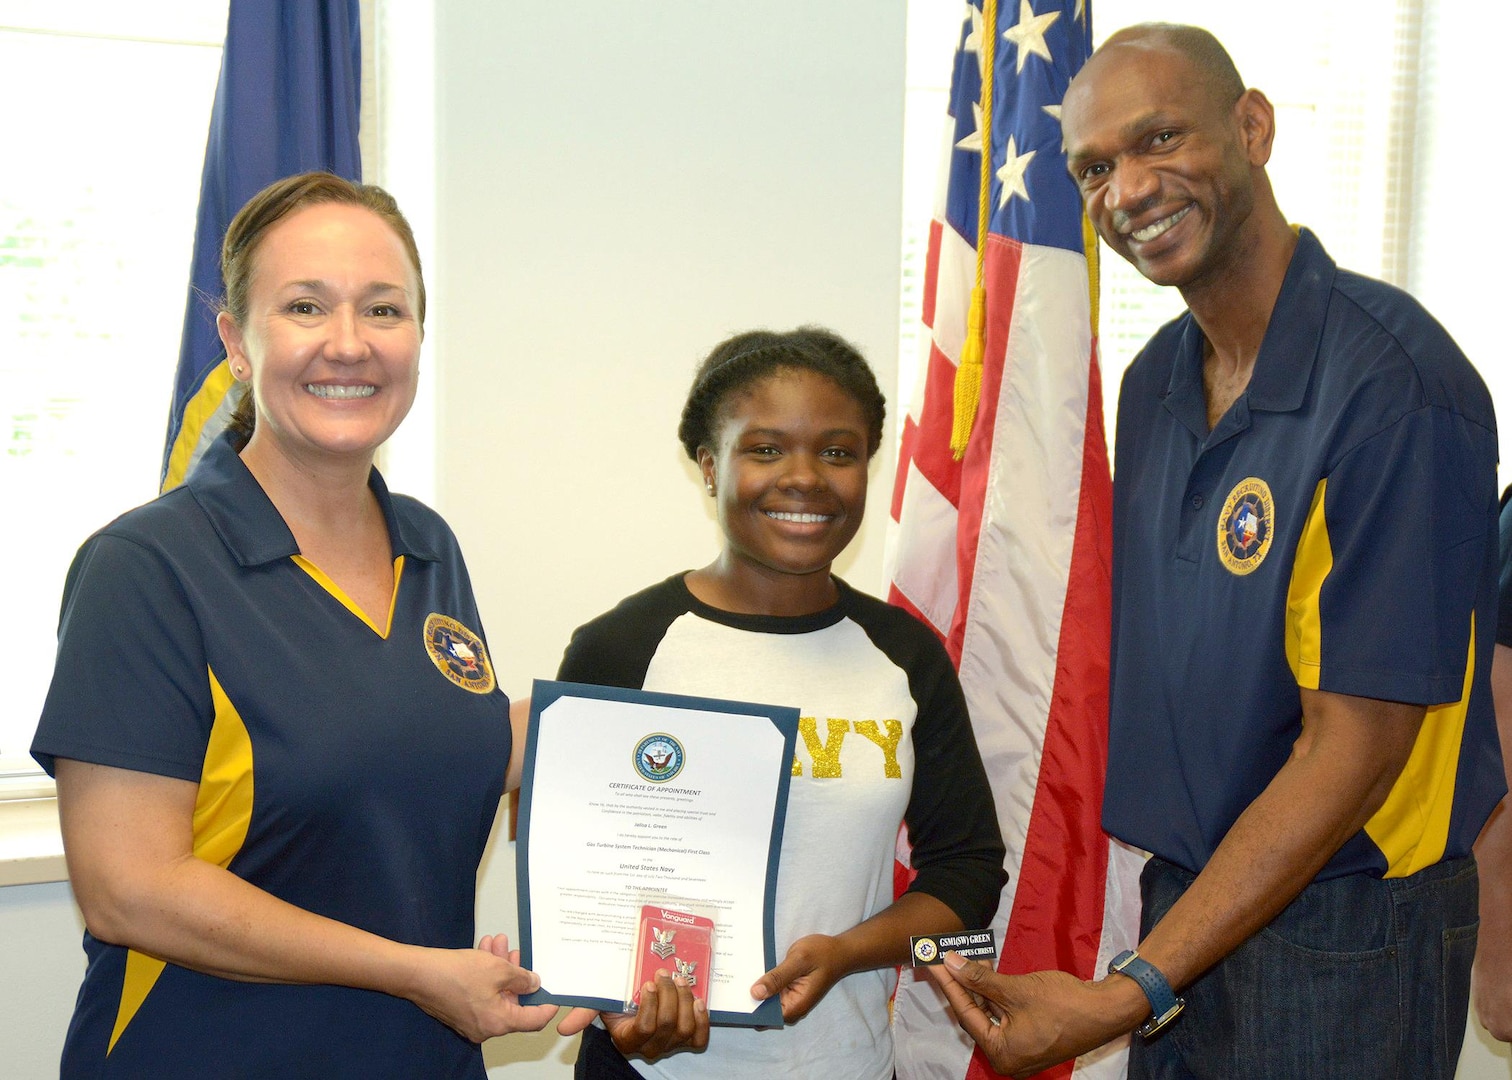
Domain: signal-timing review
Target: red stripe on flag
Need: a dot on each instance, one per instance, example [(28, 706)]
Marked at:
[(926, 442), (1065, 823), (907, 446), (896, 598), (1000, 271), (932, 272), (1057, 917), (937, 463), (930, 450), (903, 877)]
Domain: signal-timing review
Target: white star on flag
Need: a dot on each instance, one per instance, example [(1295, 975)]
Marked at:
[(1011, 173), (973, 142), (973, 42), (1029, 34)]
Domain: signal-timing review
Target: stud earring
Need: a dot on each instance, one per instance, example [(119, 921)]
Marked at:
[(709, 486)]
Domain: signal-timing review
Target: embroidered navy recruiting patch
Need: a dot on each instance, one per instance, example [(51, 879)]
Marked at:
[(658, 758), (1245, 525), (458, 653)]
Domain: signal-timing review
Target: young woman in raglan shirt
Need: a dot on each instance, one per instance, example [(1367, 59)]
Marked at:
[(783, 426)]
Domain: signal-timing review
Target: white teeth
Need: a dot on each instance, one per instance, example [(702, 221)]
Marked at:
[(802, 519), (322, 390), (1150, 232)]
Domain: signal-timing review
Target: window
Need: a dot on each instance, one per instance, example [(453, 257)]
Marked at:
[(98, 193)]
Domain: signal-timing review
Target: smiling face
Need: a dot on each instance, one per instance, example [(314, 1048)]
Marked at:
[(789, 478), (330, 343), (1165, 159)]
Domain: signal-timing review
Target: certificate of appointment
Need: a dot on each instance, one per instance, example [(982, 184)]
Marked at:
[(633, 798)]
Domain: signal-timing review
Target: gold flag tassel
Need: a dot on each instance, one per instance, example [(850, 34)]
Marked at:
[(968, 378)]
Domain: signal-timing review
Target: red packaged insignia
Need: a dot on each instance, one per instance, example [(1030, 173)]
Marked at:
[(677, 942)]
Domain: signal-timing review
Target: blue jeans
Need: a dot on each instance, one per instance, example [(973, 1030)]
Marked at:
[(1359, 978)]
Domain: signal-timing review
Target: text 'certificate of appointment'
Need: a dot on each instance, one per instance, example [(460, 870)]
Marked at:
[(631, 798)]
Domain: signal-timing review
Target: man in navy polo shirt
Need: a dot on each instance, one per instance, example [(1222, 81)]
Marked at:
[(1304, 609)]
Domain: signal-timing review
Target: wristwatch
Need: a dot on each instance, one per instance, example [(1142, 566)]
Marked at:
[(1165, 1006)]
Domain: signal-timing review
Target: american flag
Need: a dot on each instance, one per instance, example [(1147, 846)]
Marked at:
[(1007, 552)]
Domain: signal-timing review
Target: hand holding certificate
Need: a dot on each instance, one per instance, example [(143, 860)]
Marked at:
[(631, 798)]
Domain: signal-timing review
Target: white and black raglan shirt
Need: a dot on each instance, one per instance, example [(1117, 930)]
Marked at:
[(884, 738)]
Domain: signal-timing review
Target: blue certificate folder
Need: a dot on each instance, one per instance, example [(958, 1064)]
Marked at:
[(653, 758)]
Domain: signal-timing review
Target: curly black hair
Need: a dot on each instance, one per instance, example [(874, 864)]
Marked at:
[(736, 363)]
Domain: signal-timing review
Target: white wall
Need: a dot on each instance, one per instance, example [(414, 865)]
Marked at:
[(617, 191), (40, 935)]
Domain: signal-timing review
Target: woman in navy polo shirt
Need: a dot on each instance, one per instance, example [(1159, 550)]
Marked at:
[(277, 736)]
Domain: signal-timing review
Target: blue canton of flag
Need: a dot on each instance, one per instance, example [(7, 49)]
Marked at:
[(1032, 198), (288, 101)]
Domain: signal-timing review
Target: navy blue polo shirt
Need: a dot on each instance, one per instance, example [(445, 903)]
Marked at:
[(1336, 530), (349, 767), (1504, 584)]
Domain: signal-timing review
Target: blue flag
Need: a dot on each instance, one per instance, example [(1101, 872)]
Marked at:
[(287, 102)]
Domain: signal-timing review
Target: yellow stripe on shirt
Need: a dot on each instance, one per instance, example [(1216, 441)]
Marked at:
[(1304, 619), (1412, 827), (222, 815)]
